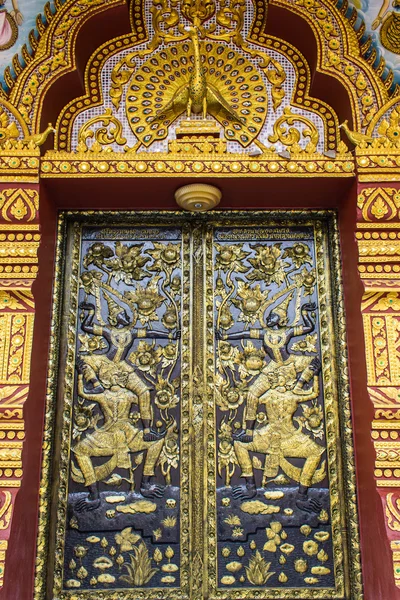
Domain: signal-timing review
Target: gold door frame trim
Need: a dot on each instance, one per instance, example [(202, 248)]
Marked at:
[(198, 565)]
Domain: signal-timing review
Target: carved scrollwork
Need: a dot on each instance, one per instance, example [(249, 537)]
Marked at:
[(109, 133), (198, 12), (291, 136)]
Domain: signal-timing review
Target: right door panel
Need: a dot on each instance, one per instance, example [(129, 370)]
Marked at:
[(277, 499)]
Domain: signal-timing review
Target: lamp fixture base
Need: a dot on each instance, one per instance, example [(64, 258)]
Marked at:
[(198, 197)]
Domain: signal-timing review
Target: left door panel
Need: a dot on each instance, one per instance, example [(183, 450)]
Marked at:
[(120, 492)]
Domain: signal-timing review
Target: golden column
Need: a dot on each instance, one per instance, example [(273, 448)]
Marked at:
[(19, 242)]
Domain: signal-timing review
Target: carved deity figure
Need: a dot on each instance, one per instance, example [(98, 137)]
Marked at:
[(116, 438), (115, 386), (280, 387), (120, 335), (280, 438), (275, 339)]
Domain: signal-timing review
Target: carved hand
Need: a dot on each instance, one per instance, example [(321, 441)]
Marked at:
[(244, 437), (149, 435), (87, 306), (309, 307), (218, 334), (315, 366)]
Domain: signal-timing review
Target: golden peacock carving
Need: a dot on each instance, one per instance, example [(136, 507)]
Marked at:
[(214, 79)]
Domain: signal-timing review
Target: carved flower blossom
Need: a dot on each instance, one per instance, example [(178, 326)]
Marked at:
[(249, 301), (147, 300), (227, 397), (169, 318), (300, 565), (7, 301), (231, 256), (90, 280), (146, 357), (83, 419), (128, 263), (251, 360), (299, 253), (91, 343), (306, 279), (168, 354), (126, 538), (310, 547), (225, 316), (97, 254), (227, 356), (390, 300), (169, 457), (165, 396), (267, 264), (166, 256), (312, 419), (307, 344)]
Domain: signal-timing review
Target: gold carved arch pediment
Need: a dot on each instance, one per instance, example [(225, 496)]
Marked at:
[(94, 121), (340, 52), (340, 55)]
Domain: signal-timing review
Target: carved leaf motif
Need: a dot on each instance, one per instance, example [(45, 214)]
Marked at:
[(383, 127), (379, 208), (19, 209), (126, 539)]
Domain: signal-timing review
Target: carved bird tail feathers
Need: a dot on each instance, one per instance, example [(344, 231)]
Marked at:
[(158, 93)]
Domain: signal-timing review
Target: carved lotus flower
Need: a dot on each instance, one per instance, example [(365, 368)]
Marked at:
[(169, 319), (165, 396), (91, 279), (313, 416), (225, 318), (299, 253), (176, 284), (96, 254), (268, 264), (165, 256), (234, 399), (310, 547), (249, 301), (147, 300), (251, 360), (231, 257), (301, 565), (146, 357)]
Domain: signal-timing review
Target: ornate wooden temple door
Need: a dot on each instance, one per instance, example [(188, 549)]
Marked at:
[(202, 446)]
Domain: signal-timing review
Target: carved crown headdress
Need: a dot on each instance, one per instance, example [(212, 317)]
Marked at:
[(113, 309), (282, 309)]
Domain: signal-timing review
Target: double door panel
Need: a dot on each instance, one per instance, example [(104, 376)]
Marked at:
[(202, 425)]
